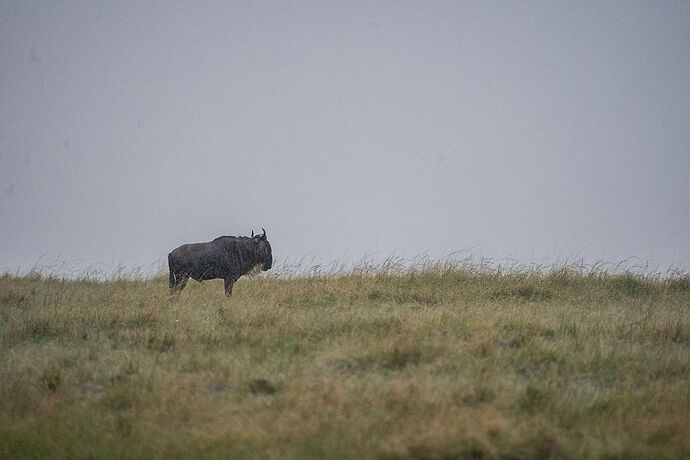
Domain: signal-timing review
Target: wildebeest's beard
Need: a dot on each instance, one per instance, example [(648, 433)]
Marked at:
[(267, 261), (256, 269)]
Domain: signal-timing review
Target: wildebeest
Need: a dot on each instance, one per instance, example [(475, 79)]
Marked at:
[(226, 257)]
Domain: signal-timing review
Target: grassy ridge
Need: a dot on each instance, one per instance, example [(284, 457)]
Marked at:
[(437, 363)]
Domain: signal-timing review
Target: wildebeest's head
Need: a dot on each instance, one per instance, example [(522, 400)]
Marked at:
[(263, 250)]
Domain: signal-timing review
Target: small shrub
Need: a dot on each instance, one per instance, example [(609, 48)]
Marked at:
[(51, 378), (398, 358), (534, 398), (118, 397), (629, 285), (161, 344), (481, 394), (261, 387)]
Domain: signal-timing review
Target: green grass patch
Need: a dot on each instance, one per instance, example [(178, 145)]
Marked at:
[(432, 363)]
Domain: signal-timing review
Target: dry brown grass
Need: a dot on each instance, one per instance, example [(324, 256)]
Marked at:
[(441, 362)]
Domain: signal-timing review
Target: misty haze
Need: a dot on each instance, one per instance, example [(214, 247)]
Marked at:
[(529, 132)]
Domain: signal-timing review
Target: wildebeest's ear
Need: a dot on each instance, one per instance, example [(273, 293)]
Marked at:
[(252, 233)]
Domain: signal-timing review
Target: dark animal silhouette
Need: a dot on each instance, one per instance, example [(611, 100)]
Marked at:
[(226, 257)]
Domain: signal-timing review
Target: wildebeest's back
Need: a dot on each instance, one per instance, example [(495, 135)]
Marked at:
[(201, 261), (224, 257)]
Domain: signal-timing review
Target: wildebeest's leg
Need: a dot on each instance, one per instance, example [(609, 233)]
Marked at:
[(182, 282), (228, 286), (177, 282)]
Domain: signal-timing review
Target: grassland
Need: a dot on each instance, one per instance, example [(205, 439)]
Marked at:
[(444, 362)]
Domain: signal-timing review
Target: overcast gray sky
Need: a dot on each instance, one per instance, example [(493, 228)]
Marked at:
[(537, 131)]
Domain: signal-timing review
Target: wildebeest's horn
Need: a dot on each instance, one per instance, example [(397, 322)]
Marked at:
[(252, 233), (264, 235)]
